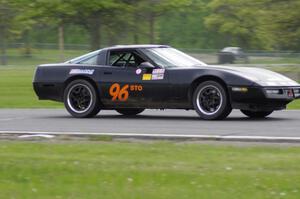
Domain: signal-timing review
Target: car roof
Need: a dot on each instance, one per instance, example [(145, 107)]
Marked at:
[(139, 46)]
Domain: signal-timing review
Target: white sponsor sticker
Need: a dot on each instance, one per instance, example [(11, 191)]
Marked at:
[(82, 71), (158, 70), (157, 76)]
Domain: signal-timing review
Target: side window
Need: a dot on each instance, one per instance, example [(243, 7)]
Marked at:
[(118, 58), (90, 61), (124, 59)]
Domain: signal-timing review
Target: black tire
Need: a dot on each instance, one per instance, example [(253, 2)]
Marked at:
[(81, 99), (130, 111), (211, 102), (256, 114)]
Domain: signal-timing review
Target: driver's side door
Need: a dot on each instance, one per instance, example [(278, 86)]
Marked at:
[(124, 84)]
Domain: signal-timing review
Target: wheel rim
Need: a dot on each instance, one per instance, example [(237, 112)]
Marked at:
[(80, 98), (209, 100)]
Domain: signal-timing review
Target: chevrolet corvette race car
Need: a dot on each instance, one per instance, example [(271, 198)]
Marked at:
[(132, 78)]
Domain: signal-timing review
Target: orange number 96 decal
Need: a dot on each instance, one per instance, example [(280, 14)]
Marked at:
[(119, 93)]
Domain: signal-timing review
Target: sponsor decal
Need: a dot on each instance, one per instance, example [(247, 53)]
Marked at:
[(119, 93), (138, 71), (147, 76), (158, 76), (158, 71), (82, 71), (135, 87)]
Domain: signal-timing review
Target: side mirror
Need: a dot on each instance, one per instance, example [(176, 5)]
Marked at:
[(146, 65)]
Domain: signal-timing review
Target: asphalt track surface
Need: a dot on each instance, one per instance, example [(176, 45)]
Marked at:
[(180, 122)]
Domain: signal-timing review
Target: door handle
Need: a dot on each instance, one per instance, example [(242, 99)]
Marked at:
[(107, 73)]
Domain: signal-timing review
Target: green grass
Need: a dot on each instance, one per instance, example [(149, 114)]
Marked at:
[(16, 89), (294, 105), (284, 69), (40, 56), (16, 77), (139, 170), (274, 60)]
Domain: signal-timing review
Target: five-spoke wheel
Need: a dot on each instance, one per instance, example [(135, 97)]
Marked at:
[(210, 101), (81, 99)]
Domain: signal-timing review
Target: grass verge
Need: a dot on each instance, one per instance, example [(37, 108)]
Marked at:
[(16, 89), (151, 170)]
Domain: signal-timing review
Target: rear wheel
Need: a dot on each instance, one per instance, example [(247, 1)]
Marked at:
[(81, 99), (256, 114), (130, 111), (211, 101)]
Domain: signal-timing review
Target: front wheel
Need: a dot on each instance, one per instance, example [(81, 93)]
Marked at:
[(211, 101), (81, 99), (256, 114), (130, 111)]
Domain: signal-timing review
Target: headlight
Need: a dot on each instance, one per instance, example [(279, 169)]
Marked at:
[(297, 92), (274, 91)]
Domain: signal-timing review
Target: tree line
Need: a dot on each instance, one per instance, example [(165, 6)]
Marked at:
[(207, 24)]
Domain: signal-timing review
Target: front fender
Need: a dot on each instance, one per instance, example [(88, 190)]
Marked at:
[(229, 78)]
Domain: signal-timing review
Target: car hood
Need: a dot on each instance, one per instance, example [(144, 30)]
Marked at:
[(260, 76)]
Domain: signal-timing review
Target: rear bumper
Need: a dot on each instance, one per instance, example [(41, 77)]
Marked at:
[(49, 91), (262, 98)]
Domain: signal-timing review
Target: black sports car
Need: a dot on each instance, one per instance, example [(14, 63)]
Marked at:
[(132, 78)]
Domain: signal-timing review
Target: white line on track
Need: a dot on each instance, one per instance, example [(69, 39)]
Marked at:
[(10, 119), (167, 136)]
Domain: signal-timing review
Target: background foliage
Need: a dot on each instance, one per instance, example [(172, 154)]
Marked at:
[(206, 24)]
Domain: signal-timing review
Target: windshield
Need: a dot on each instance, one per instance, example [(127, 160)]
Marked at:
[(170, 58), (84, 57)]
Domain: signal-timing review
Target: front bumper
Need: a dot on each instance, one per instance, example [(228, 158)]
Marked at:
[(262, 98)]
